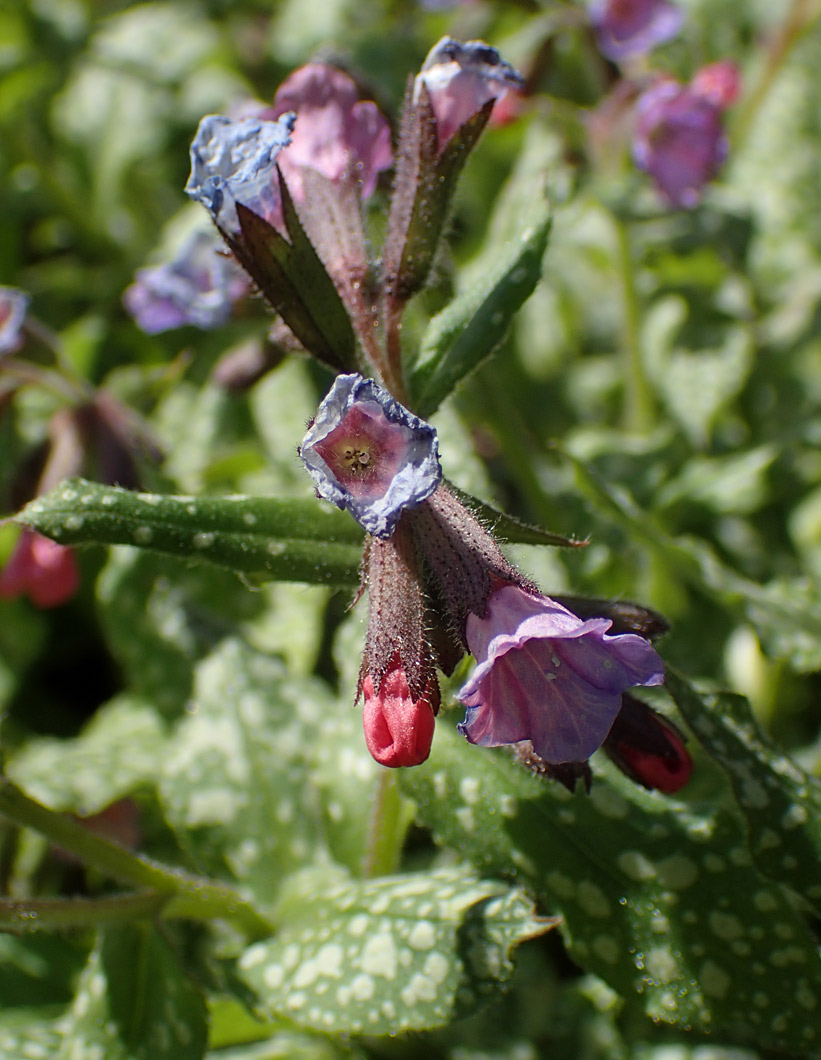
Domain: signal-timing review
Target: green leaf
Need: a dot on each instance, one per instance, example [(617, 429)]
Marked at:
[(392, 954), (510, 529), (31, 1035), (786, 613), (37, 970), (471, 327), (134, 1002), (118, 751), (289, 540), (235, 783), (781, 803), (658, 898), (295, 282)]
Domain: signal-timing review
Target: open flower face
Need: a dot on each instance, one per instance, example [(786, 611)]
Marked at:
[(460, 79), (368, 454), (632, 27), (546, 676), (235, 162)]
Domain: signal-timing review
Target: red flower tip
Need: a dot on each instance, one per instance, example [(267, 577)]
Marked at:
[(398, 728), (648, 748), (40, 569)]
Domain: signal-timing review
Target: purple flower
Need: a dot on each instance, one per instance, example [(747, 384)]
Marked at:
[(546, 676), (460, 79), (13, 307), (368, 454), (199, 287), (234, 161), (337, 134), (632, 27), (679, 140)]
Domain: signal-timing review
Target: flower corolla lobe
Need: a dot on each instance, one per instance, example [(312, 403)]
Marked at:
[(235, 162), (368, 454), (460, 79), (632, 27), (546, 676)]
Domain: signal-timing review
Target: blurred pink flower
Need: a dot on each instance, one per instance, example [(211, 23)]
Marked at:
[(336, 133), (40, 569), (632, 27), (720, 82), (546, 676)]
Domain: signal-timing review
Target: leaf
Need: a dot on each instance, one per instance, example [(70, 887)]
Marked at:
[(37, 970), (289, 540), (134, 1002), (236, 779), (786, 613), (33, 1035), (471, 327), (511, 529), (658, 898), (781, 803), (117, 752), (392, 954)]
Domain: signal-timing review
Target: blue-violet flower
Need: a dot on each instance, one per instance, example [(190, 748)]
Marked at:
[(679, 140), (370, 455), (546, 676), (460, 79), (13, 306), (198, 286), (234, 161), (632, 27)]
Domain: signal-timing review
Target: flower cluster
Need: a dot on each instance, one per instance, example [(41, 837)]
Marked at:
[(543, 675), (285, 189)]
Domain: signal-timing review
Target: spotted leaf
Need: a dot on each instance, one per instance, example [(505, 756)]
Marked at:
[(659, 898), (235, 782), (393, 954), (781, 803), (134, 1002), (289, 540)]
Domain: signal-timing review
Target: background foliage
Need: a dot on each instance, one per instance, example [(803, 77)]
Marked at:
[(659, 393)]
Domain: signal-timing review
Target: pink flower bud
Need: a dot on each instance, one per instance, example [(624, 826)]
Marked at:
[(460, 80), (398, 728), (719, 82), (40, 569)]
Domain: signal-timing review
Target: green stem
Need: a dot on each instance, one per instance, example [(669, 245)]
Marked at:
[(800, 18), (187, 895), (639, 409), (53, 914), (387, 827)]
